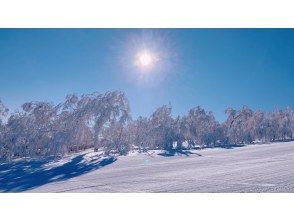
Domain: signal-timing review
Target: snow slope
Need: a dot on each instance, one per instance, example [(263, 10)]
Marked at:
[(253, 168)]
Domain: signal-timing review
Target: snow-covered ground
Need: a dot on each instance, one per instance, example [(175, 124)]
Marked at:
[(253, 168)]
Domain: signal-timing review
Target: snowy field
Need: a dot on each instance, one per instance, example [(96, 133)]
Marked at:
[(253, 168)]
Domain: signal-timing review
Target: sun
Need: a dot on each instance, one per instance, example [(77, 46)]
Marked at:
[(145, 59)]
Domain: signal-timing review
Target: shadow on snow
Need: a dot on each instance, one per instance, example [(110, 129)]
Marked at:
[(24, 175), (231, 146), (174, 152), (180, 151)]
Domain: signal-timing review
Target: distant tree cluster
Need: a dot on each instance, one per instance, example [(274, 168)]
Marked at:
[(103, 122)]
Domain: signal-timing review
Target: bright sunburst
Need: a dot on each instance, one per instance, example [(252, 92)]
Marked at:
[(146, 56), (145, 59)]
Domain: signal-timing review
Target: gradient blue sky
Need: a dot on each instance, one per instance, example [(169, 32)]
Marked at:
[(213, 68)]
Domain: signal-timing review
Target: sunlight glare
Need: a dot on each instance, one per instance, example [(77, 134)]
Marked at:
[(145, 59)]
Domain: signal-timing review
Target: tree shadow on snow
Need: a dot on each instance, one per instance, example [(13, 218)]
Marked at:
[(24, 175), (231, 146), (174, 152)]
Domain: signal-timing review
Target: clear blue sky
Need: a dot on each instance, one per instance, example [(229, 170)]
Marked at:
[(213, 68)]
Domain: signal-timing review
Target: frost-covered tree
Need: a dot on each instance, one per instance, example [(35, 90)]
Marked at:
[(82, 119), (281, 124), (42, 129), (140, 135), (3, 112), (257, 126), (201, 127), (246, 126), (29, 131), (161, 131), (72, 125), (103, 122), (115, 138), (178, 128), (239, 124), (4, 151)]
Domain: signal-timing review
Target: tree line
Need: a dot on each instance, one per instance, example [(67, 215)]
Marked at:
[(103, 122)]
